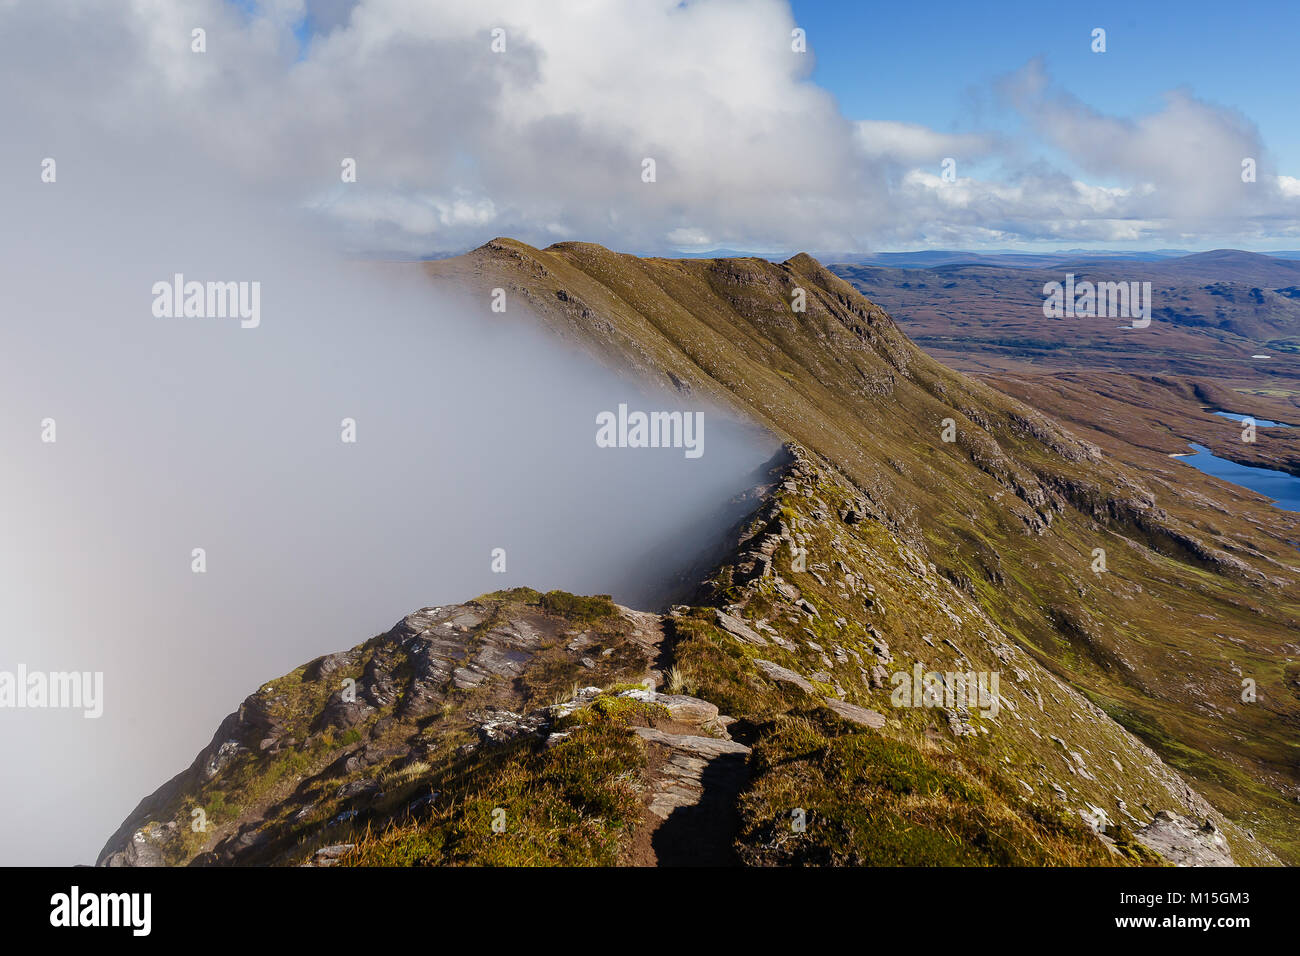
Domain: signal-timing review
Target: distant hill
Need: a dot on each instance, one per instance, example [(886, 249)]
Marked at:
[(929, 258), (1019, 260), (1211, 312)]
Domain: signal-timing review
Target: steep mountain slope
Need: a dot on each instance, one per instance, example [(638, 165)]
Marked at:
[(470, 738), (1198, 595), (1127, 415)]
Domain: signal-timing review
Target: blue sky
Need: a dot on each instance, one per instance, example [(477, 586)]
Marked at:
[(933, 63)]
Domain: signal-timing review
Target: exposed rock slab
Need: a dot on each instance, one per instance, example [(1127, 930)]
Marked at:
[(784, 674), (1184, 842), (691, 800), (859, 715), (738, 628)]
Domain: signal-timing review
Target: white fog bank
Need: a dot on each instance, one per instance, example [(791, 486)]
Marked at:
[(473, 432)]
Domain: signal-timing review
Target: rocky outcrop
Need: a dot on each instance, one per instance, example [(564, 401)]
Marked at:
[(450, 678), (1184, 842)]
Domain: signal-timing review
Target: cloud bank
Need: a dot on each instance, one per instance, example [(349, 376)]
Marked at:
[(468, 119)]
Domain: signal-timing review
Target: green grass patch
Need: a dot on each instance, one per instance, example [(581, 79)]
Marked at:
[(580, 610), (574, 804), (868, 800)]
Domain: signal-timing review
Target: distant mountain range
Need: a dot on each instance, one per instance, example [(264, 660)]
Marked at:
[(1212, 313), (925, 259), (929, 258)]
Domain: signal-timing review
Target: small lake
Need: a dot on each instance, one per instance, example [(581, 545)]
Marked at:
[(1283, 488), (1261, 422)]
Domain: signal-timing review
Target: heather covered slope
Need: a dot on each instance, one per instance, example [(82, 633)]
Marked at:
[(1194, 600)]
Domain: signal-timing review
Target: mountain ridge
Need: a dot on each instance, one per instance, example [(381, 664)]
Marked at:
[(1014, 508), (919, 549)]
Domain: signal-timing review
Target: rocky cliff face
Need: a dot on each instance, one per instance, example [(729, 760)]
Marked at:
[(760, 724)]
